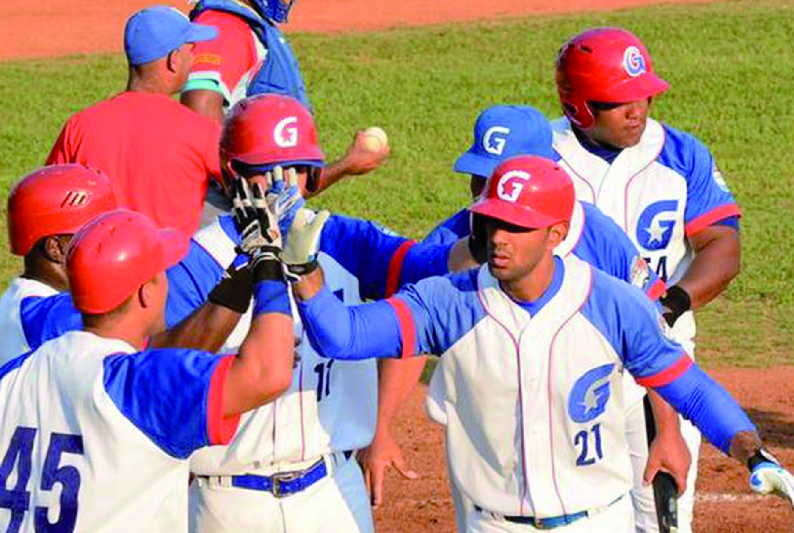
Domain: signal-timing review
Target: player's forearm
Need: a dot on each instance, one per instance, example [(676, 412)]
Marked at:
[(262, 370), (330, 175), (664, 415), (345, 332), (709, 406), (206, 329), (716, 262), (396, 380)]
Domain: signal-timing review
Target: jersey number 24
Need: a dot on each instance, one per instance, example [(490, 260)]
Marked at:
[(17, 499)]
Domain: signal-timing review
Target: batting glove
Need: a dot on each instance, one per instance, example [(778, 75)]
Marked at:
[(283, 196), (259, 232), (303, 242), (768, 477)]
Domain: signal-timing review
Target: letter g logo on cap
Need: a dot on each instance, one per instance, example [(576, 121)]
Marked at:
[(285, 134), (511, 184), (495, 139)]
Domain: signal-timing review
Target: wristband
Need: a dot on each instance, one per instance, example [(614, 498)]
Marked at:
[(761, 456), (271, 296), (234, 290), (677, 301), (268, 270)]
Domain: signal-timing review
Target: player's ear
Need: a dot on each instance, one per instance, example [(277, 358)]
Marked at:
[(54, 247), (557, 234)]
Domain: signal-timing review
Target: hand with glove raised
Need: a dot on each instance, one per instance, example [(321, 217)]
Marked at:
[(303, 242), (259, 231)]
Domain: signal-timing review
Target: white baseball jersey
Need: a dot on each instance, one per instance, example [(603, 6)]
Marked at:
[(24, 317), (331, 406), (95, 436), (533, 391), (660, 191)]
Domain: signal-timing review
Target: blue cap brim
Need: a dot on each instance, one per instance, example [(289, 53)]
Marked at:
[(200, 32), (470, 163)]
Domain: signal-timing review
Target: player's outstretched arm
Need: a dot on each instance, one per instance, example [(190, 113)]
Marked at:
[(363, 155)]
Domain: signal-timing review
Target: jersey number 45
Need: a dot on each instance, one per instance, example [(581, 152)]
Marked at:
[(17, 499)]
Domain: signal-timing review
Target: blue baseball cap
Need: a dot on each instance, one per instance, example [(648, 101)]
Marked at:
[(154, 32), (503, 131)]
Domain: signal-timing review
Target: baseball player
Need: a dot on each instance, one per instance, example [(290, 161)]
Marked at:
[(251, 56), (159, 156), (44, 210), (536, 345), (660, 185), (95, 430), (290, 466), (500, 132)]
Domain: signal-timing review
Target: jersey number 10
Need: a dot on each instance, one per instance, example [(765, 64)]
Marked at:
[(17, 499)]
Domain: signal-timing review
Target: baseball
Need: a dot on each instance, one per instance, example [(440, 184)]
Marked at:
[(375, 139)]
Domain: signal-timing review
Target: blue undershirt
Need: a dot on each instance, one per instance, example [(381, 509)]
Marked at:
[(534, 307)]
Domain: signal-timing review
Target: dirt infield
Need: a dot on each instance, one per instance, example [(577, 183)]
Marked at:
[(62, 27), (724, 502)]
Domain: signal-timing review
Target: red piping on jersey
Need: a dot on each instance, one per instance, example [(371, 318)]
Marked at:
[(407, 326), (715, 215), (669, 374), (396, 267), (525, 493), (548, 388), (220, 429), (656, 290)]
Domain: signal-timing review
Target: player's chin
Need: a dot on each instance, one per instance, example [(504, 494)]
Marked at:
[(499, 269)]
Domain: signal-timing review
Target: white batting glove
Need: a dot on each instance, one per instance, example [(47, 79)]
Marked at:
[(771, 478), (256, 223), (303, 242)]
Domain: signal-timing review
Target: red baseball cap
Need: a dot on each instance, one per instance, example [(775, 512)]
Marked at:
[(528, 191)]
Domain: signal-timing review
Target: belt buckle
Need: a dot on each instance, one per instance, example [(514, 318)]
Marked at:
[(278, 478), (537, 523)]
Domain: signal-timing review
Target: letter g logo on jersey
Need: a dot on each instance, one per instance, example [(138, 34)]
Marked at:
[(285, 134), (655, 225), (495, 139), (633, 62), (590, 394), (511, 184)]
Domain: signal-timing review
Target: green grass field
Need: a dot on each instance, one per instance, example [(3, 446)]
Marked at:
[(729, 63)]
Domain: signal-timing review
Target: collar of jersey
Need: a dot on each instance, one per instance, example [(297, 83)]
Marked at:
[(533, 308)]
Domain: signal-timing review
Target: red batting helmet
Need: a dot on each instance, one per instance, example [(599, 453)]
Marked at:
[(270, 129), (604, 65), (114, 254), (56, 199), (528, 191)]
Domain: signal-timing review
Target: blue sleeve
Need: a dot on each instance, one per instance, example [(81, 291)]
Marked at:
[(707, 405), (356, 332), (428, 317), (379, 259), (635, 329), (165, 393), (451, 230), (709, 200), (189, 283), (47, 318)]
